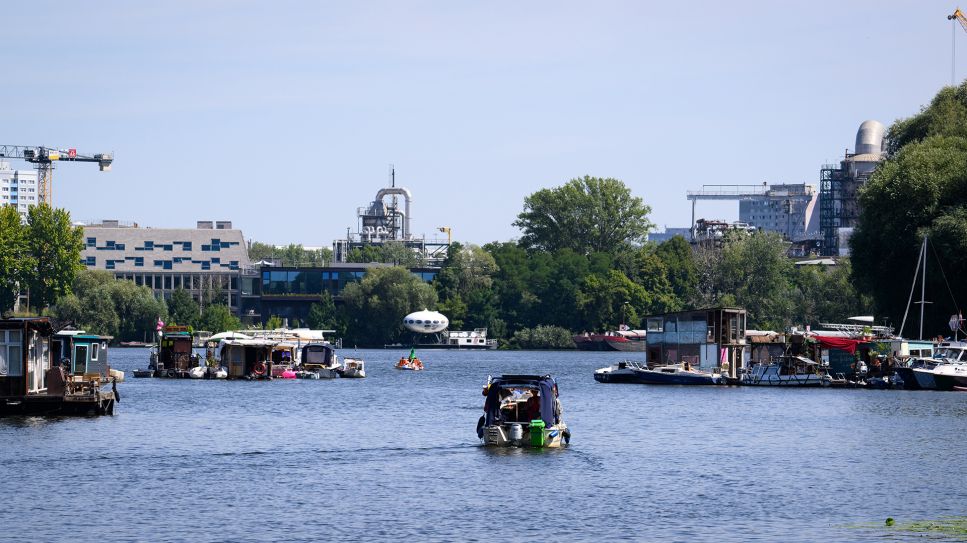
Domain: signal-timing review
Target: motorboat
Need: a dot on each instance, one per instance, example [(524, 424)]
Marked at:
[(319, 359), (353, 368), (522, 411), (676, 374), (788, 370), (949, 376), (622, 372), (949, 356)]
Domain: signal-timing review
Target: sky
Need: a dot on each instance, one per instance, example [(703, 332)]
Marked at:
[(284, 117)]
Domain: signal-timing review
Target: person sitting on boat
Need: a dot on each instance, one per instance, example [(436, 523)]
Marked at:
[(686, 366), (533, 406), (558, 409)]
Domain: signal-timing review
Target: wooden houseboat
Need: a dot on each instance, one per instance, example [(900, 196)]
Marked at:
[(247, 358), (44, 374), (174, 356)]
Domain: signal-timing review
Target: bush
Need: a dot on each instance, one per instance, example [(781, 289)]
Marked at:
[(542, 337)]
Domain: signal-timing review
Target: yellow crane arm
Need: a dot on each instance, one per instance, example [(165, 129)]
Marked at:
[(961, 18)]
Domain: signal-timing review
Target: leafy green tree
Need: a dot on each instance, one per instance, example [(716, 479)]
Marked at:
[(137, 307), (290, 255), (367, 253), (542, 337), (15, 258), (755, 271), (945, 116), (218, 318), (182, 308), (677, 256), (826, 294), (919, 191), (323, 314), (273, 323), (586, 215), (376, 305), (104, 305), (55, 246), (601, 301)]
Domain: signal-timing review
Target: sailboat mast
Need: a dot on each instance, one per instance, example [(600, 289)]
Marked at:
[(923, 284)]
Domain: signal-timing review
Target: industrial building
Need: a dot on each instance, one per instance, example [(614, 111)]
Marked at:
[(211, 257), (383, 221), (787, 208), (839, 187), (290, 291), (18, 188)]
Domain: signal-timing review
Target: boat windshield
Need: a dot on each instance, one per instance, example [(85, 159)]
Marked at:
[(950, 353)]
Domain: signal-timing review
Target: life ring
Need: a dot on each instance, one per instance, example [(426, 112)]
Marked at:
[(259, 368), (171, 372)]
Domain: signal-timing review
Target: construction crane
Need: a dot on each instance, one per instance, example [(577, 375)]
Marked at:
[(44, 158), (958, 16)]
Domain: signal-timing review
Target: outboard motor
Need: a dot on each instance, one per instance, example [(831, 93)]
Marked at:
[(516, 433)]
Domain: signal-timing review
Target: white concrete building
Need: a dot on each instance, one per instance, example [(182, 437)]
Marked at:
[(789, 209), (18, 188)]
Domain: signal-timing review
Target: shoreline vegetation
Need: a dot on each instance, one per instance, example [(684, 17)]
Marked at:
[(581, 264)]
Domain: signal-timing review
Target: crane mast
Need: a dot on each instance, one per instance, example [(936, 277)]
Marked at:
[(958, 16), (45, 157)]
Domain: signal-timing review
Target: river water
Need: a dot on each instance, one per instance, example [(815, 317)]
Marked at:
[(395, 456)]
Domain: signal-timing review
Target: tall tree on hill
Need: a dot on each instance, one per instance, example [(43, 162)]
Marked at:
[(14, 256), (586, 215), (55, 246)]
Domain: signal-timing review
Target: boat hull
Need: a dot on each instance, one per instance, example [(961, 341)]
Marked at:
[(949, 382), (650, 377), (925, 379), (607, 375), (499, 435), (601, 342), (909, 379), (101, 403)]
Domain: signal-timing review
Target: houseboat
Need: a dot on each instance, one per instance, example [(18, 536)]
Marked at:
[(711, 340), (247, 358), (39, 376), (522, 411), (174, 356)]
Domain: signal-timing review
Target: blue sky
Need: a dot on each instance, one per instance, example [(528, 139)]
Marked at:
[(284, 116)]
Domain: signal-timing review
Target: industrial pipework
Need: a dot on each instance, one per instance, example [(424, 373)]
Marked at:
[(383, 193)]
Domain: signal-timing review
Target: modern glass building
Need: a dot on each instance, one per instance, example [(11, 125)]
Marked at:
[(289, 292)]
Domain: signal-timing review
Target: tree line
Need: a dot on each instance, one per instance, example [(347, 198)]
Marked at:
[(583, 263)]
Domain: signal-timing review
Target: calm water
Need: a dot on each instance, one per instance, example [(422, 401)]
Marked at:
[(395, 456)]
